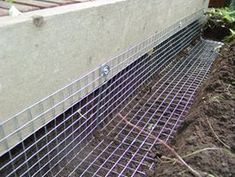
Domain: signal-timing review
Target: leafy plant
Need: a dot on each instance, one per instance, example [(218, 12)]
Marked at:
[(222, 18), (230, 37), (225, 15), (232, 4), (10, 1)]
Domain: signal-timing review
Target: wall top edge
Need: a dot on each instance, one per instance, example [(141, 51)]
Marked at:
[(50, 12)]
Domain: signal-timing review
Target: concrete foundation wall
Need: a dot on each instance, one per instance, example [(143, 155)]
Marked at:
[(38, 57)]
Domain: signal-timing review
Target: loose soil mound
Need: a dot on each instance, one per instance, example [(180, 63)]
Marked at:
[(209, 124)]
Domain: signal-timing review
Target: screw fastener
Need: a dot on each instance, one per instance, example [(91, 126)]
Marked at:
[(104, 70)]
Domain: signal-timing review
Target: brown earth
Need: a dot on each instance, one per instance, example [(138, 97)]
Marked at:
[(209, 124)]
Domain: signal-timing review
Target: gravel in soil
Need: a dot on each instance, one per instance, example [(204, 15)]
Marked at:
[(209, 124)]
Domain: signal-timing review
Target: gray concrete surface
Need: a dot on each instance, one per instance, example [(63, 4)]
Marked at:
[(40, 56)]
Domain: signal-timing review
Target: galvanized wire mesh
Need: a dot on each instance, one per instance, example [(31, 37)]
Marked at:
[(30, 120), (150, 85), (122, 150)]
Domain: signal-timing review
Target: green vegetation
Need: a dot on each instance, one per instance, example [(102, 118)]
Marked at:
[(10, 1), (223, 18), (232, 4)]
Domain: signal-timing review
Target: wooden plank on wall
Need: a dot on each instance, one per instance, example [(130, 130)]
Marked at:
[(20, 7), (40, 4), (60, 2)]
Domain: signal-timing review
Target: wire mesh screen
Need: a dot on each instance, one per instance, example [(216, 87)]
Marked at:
[(151, 86), (30, 120)]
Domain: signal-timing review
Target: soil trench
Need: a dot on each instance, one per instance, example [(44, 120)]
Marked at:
[(210, 124)]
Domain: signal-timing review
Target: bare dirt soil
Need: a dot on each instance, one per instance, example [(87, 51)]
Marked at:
[(209, 124)]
